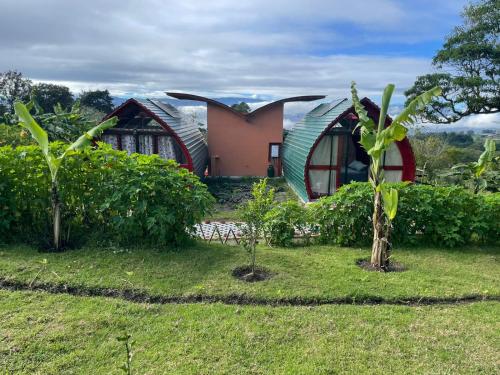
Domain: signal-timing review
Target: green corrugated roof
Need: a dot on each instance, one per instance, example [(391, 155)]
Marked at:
[(301, 138)]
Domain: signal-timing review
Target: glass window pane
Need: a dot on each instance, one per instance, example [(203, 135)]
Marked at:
[(128, 143), (166, 148), (146, 144), (393, 156), (111, 139), (393, 176), (319, 181), (323, 152)]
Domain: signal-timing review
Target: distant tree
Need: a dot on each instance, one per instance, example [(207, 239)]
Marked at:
[(48, 95), (468, 68), (430, 155), (460, 139), (97, 99), (241, 107), (13, 86)]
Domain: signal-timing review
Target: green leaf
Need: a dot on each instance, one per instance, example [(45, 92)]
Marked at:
[(367, 139), (486, 157), (87, 138), (407, 115), (364, 120), (386, 100), (390, 199), (28, 122)]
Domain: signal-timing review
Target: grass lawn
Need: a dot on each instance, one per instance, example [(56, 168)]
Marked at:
[(313, 272), (56, 334), (46, 333)]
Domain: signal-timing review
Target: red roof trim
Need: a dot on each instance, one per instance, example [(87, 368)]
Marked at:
[(373, 110), (163, 124)]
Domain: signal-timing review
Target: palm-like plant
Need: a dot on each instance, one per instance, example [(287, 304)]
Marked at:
[(55, 162), (376, 140), (471, 175)]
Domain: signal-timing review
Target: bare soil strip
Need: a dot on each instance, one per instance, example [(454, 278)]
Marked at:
[(138, 296)]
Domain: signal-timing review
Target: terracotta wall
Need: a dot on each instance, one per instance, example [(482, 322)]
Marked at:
[(238, 147)]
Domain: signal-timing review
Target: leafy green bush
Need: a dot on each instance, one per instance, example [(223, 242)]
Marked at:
[(345, 217), (283, 219), (441, 216), (106, 194)]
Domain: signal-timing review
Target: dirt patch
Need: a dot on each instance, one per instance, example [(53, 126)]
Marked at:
[(393, 267), (244, 273), (140, 296)]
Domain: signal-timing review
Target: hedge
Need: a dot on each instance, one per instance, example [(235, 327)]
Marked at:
[(440, 216), (107, 195)]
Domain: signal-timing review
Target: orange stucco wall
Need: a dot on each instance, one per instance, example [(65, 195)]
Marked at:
[(238, 147)]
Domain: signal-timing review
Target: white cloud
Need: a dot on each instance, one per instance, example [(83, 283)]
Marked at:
[(223, 48)]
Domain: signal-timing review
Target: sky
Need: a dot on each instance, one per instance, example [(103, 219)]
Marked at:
[(258, 50)]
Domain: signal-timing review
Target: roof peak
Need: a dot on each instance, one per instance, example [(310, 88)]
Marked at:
[(186, 96)]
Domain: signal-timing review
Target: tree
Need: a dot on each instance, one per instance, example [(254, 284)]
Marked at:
[(241, 107), (13, 86), (376, 140), (430, 155), (473, 175), (54, 162), (48, 95), (97, 99), (253, 213), (468, 67)]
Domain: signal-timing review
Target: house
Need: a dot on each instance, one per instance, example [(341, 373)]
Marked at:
[(244, 144), (322, 151), (153, 127)]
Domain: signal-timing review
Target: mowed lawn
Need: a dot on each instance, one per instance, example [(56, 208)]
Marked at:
[(59, 334), (43, 333), (308, 272)]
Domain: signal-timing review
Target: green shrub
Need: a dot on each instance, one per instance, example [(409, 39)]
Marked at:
[(282, 220), (253, 213), (345, 217), (106, 194), (441, 216)]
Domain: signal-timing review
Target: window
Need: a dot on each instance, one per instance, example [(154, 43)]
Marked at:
[(274, 150)]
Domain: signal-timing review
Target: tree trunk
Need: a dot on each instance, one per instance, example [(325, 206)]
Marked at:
[(379, 247), (56, 219), (254, 249)]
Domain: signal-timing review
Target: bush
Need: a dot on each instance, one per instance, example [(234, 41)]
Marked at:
[(282, 220), (345, 217), (106, 194), (441, 216)]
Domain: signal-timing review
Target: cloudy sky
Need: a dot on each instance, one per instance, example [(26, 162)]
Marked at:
[(250, 49)]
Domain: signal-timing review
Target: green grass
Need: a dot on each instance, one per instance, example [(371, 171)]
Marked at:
[(314, 272), (43, 333), (58, 334)]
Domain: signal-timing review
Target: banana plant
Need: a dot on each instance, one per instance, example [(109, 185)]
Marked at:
[(376, 139), (471, 174), (55, 162)]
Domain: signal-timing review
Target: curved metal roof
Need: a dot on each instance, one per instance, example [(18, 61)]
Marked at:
[(187, 135), (301, 138), (304, 98)]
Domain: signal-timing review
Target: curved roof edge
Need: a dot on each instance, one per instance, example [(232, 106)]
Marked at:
[(187, 136), (303, 98)]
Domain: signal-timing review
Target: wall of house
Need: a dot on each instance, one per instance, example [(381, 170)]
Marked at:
[(238, 147)]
